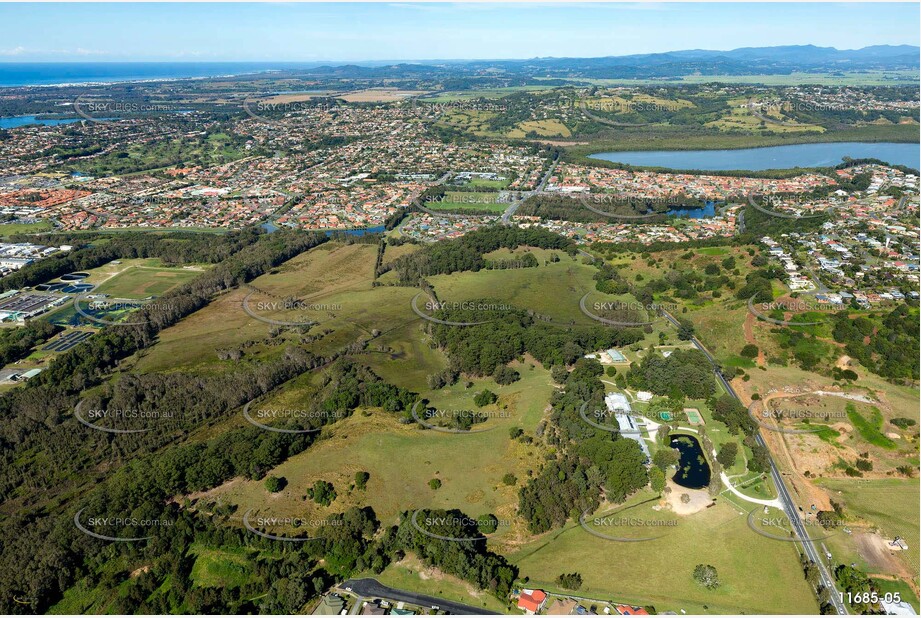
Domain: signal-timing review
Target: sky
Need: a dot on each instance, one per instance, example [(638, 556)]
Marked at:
[(279, 31)]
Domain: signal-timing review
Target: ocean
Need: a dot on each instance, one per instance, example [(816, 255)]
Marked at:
[(55, 73)]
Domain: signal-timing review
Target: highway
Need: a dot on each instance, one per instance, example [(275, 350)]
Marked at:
[(372, 589), (784, 495)]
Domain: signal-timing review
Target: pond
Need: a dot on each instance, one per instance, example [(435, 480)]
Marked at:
[(693, 470)]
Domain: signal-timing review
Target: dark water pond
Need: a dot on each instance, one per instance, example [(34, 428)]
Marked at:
[(693, 470)]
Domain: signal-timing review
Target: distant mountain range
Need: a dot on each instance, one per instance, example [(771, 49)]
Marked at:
[(781, 60)]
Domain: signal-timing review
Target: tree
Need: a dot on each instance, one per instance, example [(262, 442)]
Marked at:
[(663, 434), (734, 415), (657, 479), (760, 460), (322, 492), (509, 478), (559, 374), (685, 498), (484, 398), (727, 454), (487, 524), (665, 457), (505, 375), (361, 479), (275, 483), (706, 576), (749, 351), (570, 581), (435, 483), (716, 485), (685, 329)]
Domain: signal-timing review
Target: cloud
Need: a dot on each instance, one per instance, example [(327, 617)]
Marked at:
[(90, 52), (16, 51)]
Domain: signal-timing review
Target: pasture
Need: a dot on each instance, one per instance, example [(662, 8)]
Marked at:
[(757, 574)]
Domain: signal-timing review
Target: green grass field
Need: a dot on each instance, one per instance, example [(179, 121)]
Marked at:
[(758, 575), (411, 574), (891, 506), (373, 441), (143, 281), (221, 568), (9, 229), (328, 279), (869, 428), (525, 288), (474, 200)]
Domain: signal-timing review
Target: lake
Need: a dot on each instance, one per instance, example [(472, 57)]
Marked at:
[(377, 229), (693, 470), (694, 213), (20, 121), (773, 157)]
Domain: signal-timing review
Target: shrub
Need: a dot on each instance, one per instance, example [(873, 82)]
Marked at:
[(275, 483)]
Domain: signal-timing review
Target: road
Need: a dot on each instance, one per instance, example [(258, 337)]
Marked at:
[(373, 589), (510, 211), (784, 495)]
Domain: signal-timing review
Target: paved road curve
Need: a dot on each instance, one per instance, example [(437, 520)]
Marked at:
[(783, 494), (373, 589)]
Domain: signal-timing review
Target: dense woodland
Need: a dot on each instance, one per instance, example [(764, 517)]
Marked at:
[(466, 253), (563, 208)]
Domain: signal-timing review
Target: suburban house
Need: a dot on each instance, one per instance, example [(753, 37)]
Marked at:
[(331, 605), (630, 610), (532, 601)]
